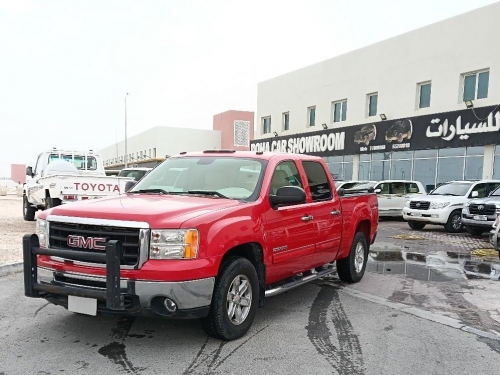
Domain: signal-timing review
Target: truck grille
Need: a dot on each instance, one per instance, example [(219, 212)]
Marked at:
[(482, 209), (419, 205), (129, 237)]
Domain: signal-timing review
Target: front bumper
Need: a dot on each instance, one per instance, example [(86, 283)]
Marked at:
[(468, 219), (114, 294), (433, 216)]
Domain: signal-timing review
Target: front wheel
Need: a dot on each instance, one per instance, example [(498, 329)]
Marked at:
[(28, 210), (234, 300), (454, 223), (352, 268), (416, 225)]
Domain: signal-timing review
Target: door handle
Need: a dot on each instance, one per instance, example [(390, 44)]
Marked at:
[(307, 218), (335, 212)]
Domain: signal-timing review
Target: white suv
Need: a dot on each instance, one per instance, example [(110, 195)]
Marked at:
[(393, 194), (443, 205)]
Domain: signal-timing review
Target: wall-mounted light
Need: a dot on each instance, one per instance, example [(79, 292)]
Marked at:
[(325, 126), (383, 117), (275, 134), (469, 104)]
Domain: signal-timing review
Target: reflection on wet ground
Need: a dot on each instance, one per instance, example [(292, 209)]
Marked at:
[(436, 266)]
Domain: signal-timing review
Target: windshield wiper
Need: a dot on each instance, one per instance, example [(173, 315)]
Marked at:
[(207, 192), (147, 191)]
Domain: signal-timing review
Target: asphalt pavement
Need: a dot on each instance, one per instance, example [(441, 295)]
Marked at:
[(318, 328)]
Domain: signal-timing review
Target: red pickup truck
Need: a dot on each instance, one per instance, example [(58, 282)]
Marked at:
[(204, 235)]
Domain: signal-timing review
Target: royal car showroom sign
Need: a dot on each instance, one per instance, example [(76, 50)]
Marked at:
[(468, 127)]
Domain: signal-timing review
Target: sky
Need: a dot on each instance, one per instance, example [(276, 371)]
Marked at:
[(65, 66)]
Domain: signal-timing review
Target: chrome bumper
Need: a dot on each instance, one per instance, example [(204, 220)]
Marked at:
[(186, 294)]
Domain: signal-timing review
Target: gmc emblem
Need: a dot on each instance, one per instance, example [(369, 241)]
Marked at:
[(93, 243)]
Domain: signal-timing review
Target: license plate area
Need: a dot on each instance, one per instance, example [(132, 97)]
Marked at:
[(416, 214), (87, 306), (480, 217)]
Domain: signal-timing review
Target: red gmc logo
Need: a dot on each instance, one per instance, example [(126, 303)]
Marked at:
[(93, 243)]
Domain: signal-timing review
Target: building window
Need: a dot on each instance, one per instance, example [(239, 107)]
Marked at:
[(266, 125), (372, 104), (476, 85), (286, 121), (424, 95), (311, 115), (339, 110)]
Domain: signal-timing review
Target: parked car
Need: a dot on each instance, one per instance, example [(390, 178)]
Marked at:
[(478, 215), (393, 194), (213, 246), (443, 205)]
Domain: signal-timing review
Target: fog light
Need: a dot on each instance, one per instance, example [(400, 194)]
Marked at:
[(170, 305), (434, 216)]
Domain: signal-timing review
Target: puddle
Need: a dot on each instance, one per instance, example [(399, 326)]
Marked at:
[(439, 266)]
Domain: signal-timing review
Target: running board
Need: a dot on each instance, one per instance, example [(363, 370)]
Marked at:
[(300, 281)]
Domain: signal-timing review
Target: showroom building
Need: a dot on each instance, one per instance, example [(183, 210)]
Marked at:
[(421, 106)]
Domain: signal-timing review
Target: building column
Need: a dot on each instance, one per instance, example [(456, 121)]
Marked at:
[(355, 167), (489, 157)]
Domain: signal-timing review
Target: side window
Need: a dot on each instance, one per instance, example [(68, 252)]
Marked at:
[(37, 165), (397, 188), (482, 190), (318, 181), (411, 188), (384, 188), (285, 174)]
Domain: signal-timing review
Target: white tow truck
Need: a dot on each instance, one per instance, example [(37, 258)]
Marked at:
[(61, 177)]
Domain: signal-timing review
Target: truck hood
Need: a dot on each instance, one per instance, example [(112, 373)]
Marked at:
[(159, 211), (441, 198)]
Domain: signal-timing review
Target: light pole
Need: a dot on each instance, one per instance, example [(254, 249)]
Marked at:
[(126, 154)]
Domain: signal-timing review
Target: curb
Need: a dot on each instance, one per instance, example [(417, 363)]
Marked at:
[(7, 269), (424, 314)]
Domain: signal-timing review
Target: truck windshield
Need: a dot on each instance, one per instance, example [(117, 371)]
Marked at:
[(81, 162), (452, 188), (233, 178)]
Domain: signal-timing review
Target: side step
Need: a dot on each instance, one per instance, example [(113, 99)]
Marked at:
[(301, 281)]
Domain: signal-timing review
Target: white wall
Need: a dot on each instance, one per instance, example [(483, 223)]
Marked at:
[(166, 140), (440, 53)]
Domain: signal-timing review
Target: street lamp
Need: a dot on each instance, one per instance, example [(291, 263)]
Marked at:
[(126, 155)]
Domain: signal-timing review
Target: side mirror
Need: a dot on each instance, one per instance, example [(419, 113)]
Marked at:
[(29, 171), (378, 191), (475, 194), (129, 185), (288, 195)]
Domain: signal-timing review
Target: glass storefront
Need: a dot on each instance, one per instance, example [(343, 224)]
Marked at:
[(340, 166), (431, 167)]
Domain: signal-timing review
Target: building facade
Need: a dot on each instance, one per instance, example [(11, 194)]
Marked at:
[(422, 105), (231, 130)]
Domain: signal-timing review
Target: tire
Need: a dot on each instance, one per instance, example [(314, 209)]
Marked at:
[(28, 211), (454, 223), (352, 268), (220, 322), (474, 231), (52, 202), (416, 225)]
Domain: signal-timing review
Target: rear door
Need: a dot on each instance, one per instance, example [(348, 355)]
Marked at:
[(290, 231), (326, 210)]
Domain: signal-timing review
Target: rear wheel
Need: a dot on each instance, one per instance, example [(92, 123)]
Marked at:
[(352, 268), (28, 211), (234, 301), (454, 223), (52, 202), (416, 225), (474, 231)]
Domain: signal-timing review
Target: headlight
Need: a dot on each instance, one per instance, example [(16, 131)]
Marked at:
[(438, 205), (407, 204), (41, 230), (174, 244)]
